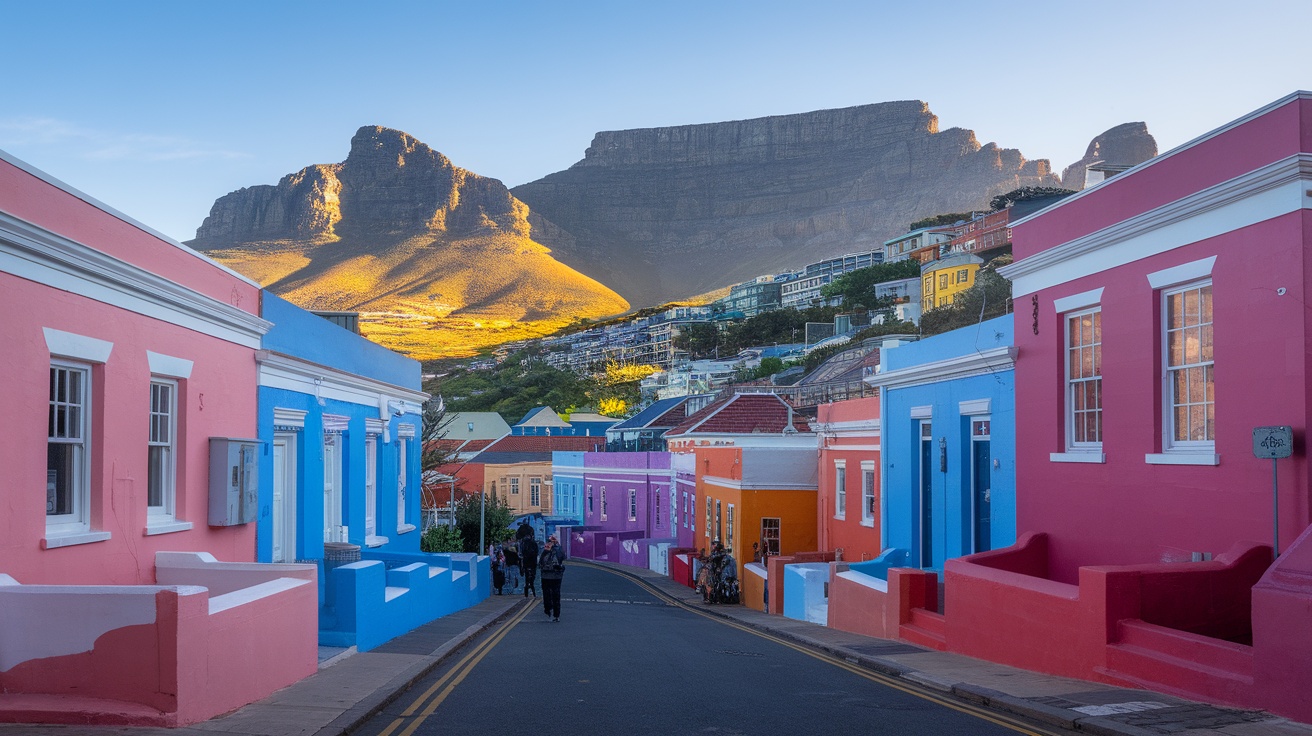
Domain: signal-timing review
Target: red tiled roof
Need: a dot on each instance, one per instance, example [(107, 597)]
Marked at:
[(741, 414), (542, 443)]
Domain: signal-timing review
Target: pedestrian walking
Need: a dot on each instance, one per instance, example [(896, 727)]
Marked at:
[(552, 565), (528, 558), (498, 567), (512, 567)]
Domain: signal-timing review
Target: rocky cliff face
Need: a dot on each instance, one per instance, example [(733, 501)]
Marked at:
[(664, 213), (1125, 145), (389, 184)]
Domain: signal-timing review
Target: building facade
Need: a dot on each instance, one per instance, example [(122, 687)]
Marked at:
[(942, 280), (849, 504)]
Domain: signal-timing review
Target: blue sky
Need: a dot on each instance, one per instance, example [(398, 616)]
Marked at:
[(159, 108)]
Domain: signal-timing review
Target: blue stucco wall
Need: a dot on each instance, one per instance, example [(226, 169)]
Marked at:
[(951, 510), (567, 496), (310, 337)]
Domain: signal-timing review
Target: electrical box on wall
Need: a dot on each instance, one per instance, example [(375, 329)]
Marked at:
[(234, 480)]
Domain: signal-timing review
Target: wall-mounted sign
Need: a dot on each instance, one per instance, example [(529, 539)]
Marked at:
[(1273, 443)]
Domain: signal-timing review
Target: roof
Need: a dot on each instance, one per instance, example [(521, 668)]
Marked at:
[(588, 417), (648, 417), (762, 413), (529, 448), (953, 261), (914, 233), (476, 425), (542, 416)]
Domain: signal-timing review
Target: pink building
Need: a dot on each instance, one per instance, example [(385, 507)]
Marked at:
[(848, 511), (1144, 518), (133, 351)]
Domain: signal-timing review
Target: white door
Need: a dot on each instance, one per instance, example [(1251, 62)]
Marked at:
[(370, 487), (332, 489), (284, 498)]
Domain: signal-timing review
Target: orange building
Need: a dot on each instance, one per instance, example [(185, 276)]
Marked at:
[(848, 502), (756, 494)]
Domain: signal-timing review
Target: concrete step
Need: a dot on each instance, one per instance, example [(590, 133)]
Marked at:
[(926, 628), (1181, 663), (78, 710)]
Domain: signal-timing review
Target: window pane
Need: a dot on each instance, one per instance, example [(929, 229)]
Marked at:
[(1192, 350), (61, 469), (1181, 423), (1175, 348), (1075, 364), (1091, 426), (1086, 362), (1191, 307), (1196, 385), (1097, 326), (1205, 304), (1179, 392), (1086, 329), (1197, 423), (1205, 337), (74, 387), (156, 473), (1174, 317)]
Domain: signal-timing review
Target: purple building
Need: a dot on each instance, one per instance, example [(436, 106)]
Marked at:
[(627, 509)]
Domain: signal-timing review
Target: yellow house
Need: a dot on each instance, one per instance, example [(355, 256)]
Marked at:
[(526, 487), (943, 279)]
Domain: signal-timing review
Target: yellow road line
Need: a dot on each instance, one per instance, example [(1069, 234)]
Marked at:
[(453, 677), (882, 679)]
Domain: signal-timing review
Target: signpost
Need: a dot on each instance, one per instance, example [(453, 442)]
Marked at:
[(1274, 443)]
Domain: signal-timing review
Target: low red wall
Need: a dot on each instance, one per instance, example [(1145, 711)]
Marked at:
[(1282, 646)]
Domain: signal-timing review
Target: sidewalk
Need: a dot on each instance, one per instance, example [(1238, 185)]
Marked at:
[(1074, 704), (346, 690)]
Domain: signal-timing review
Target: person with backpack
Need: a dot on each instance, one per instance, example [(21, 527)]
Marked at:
[(528, 558), (498, 567), (512, 567), (552, 564)]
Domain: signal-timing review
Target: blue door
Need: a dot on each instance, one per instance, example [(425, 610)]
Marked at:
[(981, 483), (926, 495)]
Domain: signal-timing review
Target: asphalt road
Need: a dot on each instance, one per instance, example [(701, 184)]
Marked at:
[(623, 661)]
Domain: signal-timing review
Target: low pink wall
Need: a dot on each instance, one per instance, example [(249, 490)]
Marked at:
[(1282, 648), (857, 605)]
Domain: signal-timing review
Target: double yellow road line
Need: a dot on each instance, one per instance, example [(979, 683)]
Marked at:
[(886, 680), (428, 702)]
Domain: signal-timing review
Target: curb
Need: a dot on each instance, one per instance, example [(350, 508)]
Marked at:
[(356, 715)]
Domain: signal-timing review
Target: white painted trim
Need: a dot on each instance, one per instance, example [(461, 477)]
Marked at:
[(36, 254), (405, 431), (1182, 458), (1259, 112), (335, 423), (374, 540), (43, 176), (373, 426), (288, 417), (1082, 300), (1259, 195), (741, 486), (867, 465), (974, 407), (601, 472), (167, 365), (68, 540), (405, 528), (922, 412), (845, 448), (301, 376), (78, 347), (853, 428), (166, 527), (1183, 273), (963, 366), (1077, 457)]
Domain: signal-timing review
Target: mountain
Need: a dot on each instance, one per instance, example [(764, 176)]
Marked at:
[(664, 213), (439, 260)]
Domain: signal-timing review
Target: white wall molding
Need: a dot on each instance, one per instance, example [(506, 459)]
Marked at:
[(167, 365), (739, 485), (922, 412), (405, 431), (980, 362), (36, 254), (288, 417), (1083, 300), (335, 423), (1191, 271), (301, 376), (868, 428), (974, 407), (79, 347), (373, 426), (1273, 190)]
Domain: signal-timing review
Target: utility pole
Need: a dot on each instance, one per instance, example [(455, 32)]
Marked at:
[(482, 515)]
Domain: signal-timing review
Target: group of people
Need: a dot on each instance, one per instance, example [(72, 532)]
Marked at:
[(717, 575), (523, 557)]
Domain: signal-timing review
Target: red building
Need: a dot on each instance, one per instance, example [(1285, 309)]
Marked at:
[(1162, 317), (988, 233)]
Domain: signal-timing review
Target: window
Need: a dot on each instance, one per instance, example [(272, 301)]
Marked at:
[(708, 516), (840, 489), (685, 510), (728, 540), (603, 503), (943, 301), (161, 464), (656, 510), (402, 451), (633, 504), (535, 491), (770, 536), (371, 489), (1190, 384), (333, 529), (943, 281), (67, 478), (514, 486), (867, 491), (591, 510), (719, 521), (963, 276), (1084, 379)]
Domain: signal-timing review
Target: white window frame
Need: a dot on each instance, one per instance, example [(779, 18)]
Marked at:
[(534, 491), (402, 483), (1171, 445), (603, 502), (1072, 382), (514, 485), (728, 529), (633, 504), (840, 489), (166, 510), (334, 528), (78, 520), (772, 542), (371, 515), (868, 492), (591, 506)]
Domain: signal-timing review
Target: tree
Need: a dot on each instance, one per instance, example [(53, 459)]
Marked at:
[(432, 455), (496, 518), (700, 339), (857, 288), (989, 297), (950, 218), (441, 538), (1003, 201)]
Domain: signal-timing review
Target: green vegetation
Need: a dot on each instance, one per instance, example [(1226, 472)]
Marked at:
[(1003, 201), (951, 218), (780, 326), (496, 522), (700, 339), (442, 538), (523, 381), (990, 297), (857, 288)]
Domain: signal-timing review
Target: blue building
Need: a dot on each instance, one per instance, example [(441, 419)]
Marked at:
[(340, 418), (949, 443), (542, 421), (567, 493)]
